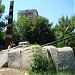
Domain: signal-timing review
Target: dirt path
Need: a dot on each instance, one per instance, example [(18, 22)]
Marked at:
[(9, 71)]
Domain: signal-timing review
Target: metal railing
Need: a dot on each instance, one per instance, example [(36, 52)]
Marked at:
[(58, 40)]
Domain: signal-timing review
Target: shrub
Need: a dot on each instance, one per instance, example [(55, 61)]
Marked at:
[(40, 61)]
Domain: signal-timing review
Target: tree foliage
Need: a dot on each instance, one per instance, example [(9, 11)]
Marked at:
[(2, 24), (42, 30), (16, 33), (36, 31), (64, 29), (40, 61), (2, 8)]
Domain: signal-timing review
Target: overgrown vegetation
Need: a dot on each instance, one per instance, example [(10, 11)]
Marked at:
[(41, 63), (36, 31), (2, 23), (48, 73)]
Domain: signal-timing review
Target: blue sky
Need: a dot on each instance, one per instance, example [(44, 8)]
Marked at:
[(52, 9)]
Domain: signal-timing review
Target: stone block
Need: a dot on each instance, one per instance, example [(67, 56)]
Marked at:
[(65, 58), (14, 59), (3, 57), (20, 58)]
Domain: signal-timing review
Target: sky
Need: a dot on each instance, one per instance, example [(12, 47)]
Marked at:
[(51, 9)]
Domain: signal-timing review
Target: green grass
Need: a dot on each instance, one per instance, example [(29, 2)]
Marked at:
[(48, 73)]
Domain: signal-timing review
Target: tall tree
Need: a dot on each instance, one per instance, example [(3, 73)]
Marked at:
[(36, 31), (2, 24), (72, 40), (2, 8), (16, 33), (42, 31), (64, 29), (24, 27)]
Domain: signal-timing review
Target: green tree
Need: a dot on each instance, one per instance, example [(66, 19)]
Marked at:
[(2, 24), (24, 27), (2, 8), (15, 33), (37, 30), (64, 29), (40, 61), (72, 40), (42, 32)]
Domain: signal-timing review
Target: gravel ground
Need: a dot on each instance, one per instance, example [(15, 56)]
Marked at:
[(9, 71)]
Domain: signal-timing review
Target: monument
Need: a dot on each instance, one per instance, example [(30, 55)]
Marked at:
[(8, 39)]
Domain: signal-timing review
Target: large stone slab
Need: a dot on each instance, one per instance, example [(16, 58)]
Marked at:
[(63, 58), (51, 51), (3, 57), (14, 59), (20, 57), (27, 57)]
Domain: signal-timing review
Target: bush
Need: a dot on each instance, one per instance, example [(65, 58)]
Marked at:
[(40, 60)]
